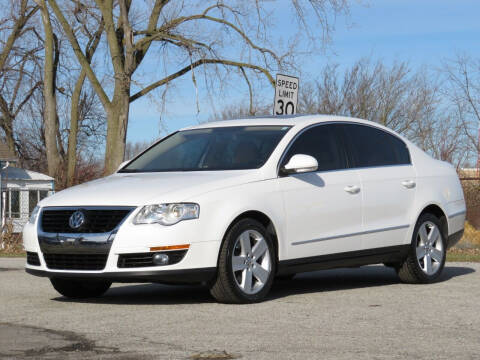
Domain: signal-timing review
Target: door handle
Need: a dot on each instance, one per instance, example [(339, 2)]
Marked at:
[(352, 189), (409, 184)]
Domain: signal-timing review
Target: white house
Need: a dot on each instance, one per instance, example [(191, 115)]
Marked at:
[(21, 190)]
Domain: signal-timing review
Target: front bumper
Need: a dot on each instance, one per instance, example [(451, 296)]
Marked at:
[(187, 276), (198, 265)]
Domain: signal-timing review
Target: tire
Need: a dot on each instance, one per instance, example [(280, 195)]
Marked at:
[(80, 289), (255, 268), (426, 259)]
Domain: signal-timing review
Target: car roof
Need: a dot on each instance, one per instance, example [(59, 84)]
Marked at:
[(289, 120)]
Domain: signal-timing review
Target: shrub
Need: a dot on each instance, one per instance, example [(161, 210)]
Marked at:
[(10, 242)]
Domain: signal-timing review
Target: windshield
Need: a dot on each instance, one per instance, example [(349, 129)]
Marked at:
[(222, 148)]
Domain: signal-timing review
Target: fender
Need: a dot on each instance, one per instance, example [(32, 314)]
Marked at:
[(259, 196)]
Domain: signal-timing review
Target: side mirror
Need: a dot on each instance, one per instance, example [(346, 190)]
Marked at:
[(300, 163), (122, 165)]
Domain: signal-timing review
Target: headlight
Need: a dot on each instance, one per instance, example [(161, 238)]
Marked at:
[(167, 214), (33, 216)]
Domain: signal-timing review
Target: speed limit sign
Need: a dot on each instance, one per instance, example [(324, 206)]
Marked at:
[(286, 95)]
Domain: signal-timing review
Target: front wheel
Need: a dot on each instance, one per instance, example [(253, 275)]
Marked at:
[(246, 264), (80, 289), (427, 254)]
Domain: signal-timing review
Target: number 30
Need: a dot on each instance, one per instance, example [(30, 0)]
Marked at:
[(285, 111)]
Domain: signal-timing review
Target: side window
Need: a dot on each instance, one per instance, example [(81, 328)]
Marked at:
[(400, 148), (32, 200), (13, 204), (321, 142), (375, 147)]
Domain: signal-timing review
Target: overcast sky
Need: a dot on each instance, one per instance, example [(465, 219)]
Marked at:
[(422, 32)]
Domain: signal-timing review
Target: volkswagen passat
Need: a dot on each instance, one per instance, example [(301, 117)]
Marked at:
[(235, 204)]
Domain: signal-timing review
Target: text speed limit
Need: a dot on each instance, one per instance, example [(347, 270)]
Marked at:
[(286, 95)]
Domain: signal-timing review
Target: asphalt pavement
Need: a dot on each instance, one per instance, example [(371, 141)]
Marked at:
[(362, 313)]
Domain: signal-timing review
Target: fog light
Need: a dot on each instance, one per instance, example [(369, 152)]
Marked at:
[(160, 259)]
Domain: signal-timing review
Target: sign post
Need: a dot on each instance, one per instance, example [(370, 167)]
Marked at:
[(286, 95)]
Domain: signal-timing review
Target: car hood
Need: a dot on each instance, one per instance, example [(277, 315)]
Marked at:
[(149, 188)]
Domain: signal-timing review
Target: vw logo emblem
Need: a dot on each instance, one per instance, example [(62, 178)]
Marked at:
[(76, 219)]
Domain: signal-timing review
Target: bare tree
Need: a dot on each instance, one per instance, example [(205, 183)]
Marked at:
[(83, 16), (444, 138), (90, 137), (196, 34), (241, 110), (462, 89), (17, 86), (62, 152), (392, 96), (54, 150), (19, 19), (16, 83), (410, 102)]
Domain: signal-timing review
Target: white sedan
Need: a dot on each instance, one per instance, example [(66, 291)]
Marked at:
[(234, 204)]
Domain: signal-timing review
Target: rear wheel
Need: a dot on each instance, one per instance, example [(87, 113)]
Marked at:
[(427, 254), (80, 289), (246, 264)]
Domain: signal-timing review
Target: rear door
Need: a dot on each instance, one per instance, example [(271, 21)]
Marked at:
[(323, 208), (388, 184)]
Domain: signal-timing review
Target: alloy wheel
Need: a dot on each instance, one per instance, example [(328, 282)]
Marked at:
[(430, 250), (251, 262)]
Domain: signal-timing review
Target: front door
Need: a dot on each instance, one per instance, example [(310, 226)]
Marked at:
[(324, 208)]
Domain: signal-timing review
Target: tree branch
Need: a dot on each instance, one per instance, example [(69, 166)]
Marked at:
[(114, 43), (195, 64), (181, 41), (17, 85), (79, 54), (250, 92), (27, 97), (151, 34), (19, 24), (141, 50)]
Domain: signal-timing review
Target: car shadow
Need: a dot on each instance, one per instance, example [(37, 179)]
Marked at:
[(149, 294), (313, 282), (350, 278)]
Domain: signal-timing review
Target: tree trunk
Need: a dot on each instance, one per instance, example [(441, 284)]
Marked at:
[(117, 121), (6, 123), (49, 93), (74, 123), (8, 129)]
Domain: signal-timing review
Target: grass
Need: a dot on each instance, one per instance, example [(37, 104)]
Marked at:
[(12, 255), (468, 249), (471, 237), (463, 255)]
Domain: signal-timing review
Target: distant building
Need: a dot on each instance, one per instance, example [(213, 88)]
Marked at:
[(21, 190)]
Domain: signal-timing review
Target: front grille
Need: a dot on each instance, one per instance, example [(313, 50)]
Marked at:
[(96, 220), (146, 259), (76, 261), (32, 258)]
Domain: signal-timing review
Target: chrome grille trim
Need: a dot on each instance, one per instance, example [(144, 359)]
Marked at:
[(97, 216)]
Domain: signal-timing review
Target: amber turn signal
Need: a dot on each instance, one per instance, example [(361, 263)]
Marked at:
[(171, 247)]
